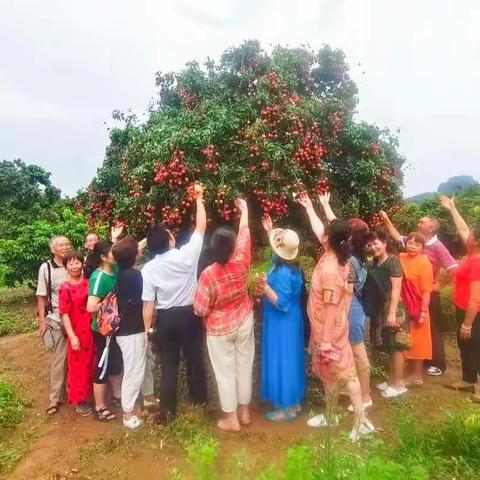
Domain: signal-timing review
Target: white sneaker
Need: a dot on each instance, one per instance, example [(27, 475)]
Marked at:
[(391, 392), (434, 371), (321, 421), (132, 423), (383, 386), (365, 406), (364, 429)]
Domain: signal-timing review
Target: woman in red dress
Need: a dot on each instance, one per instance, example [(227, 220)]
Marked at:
[(76, 320)]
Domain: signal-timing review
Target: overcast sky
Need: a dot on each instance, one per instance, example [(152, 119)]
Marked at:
[(66, 65)]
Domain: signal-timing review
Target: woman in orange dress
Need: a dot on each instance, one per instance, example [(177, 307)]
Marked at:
[(328, 305), (418, 270)]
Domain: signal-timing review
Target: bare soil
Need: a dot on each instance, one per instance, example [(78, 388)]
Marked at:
[(54, 448)]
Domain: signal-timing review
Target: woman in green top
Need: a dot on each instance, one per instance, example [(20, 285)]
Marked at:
[(102, 281)]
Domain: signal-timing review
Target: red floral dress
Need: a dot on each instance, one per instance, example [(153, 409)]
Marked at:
[(73, 301)]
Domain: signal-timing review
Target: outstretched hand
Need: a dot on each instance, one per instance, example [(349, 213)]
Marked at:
[(198, 191), (324, 199), (447, 203), (267, 223), (116, 231), (304, 200), (241, 204), (384, 216), (142, 244)]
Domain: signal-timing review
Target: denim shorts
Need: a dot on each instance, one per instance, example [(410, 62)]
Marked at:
[(356, 321)]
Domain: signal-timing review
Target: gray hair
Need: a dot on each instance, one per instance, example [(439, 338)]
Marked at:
[(54, 240)]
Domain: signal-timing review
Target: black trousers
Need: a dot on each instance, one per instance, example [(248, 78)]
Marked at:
[(179, 330), (470, 349), (438, 341)]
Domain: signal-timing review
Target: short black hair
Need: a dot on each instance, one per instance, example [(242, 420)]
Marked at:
[(125, 252), (378, 235), (94, 258), (73, 254), (158, 239), (223, 244)]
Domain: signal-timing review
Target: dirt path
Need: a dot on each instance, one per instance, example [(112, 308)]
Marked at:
[(59, 441)]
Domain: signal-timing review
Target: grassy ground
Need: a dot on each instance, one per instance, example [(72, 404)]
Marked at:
[(17, 311)]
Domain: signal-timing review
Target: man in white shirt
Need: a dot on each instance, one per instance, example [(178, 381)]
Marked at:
[(169, 284)]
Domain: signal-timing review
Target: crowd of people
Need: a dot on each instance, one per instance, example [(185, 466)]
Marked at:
[(359, 292)]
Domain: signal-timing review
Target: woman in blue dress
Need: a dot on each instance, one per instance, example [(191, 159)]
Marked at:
[(283, 362)]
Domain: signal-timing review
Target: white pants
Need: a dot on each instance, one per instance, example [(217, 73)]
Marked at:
[(133, 349), (232, 361), (147, 386)]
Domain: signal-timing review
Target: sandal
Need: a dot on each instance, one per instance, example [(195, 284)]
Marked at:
[(83, 409), (52, 410), (116, 402), (280, 415), (105, 415)]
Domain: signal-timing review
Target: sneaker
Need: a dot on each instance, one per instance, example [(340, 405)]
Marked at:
[(364, 429), (392, 392), (383, 386), (365, 406), (132, 423), (321, 421), (434, 371)]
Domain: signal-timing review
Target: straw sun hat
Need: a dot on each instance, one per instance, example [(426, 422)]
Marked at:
[(284, 243)]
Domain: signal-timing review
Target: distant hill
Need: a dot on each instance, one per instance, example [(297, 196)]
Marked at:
[(452, 186)]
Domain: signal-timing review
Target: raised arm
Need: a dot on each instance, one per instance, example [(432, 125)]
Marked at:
[(315, 222), (241, 204), (116, 232), (325, 203), (460, 224), (393, 232), (201, 219), (267, 223)]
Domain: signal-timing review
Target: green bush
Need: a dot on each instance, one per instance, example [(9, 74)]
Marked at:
[(11, 407), (449, 322), (17, 307)]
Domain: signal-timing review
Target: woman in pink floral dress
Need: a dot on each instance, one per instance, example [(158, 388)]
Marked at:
[(328, 305)]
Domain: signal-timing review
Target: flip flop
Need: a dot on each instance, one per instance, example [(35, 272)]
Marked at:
[(52, 410)]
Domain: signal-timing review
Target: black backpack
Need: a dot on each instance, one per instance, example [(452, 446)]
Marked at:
[(372, 297)]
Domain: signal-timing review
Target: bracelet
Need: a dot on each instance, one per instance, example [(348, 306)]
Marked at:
[(466, 328)]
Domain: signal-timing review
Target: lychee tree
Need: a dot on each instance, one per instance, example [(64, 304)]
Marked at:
[(254, 124)]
